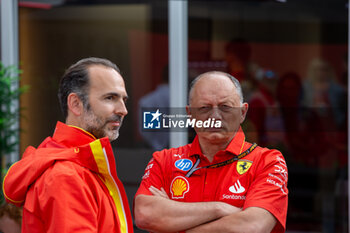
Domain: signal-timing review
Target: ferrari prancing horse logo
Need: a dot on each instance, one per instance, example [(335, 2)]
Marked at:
[(243, 166)]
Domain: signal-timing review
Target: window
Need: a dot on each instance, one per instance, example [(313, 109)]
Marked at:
[(290, 56)]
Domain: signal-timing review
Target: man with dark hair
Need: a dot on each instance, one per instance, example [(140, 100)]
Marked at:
[(69, 183), (220, 182), (10, 218)]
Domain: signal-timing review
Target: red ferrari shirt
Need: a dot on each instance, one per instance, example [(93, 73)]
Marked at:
[(259, 179)]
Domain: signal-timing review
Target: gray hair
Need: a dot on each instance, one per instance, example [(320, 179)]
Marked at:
[(233, 79)]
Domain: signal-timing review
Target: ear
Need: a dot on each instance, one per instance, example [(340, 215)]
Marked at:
[(244, 110), (188, 110), (75, 105)]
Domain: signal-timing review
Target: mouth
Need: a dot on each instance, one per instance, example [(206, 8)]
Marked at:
[(214, 129), (115, 123)]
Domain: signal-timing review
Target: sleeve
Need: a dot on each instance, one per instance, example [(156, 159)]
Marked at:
[(66, 201), (153, 176), (269, 187)]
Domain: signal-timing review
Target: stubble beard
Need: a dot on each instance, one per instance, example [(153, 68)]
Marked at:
[(99, 127)]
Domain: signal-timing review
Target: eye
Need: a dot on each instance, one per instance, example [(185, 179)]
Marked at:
[(109, 97), (125, 100), (204, 109), (225, 108)]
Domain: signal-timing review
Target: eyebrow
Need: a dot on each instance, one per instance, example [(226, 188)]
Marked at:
[(117, 94)]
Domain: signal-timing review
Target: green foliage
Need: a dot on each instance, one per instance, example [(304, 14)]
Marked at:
[(9, 113)]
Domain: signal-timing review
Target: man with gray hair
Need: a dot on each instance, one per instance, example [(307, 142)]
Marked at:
[(219, 182)]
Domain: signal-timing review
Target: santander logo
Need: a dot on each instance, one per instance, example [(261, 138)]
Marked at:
[(237, 188)]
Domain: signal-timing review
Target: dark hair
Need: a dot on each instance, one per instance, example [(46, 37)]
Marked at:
[(12, 211), (76, 80)]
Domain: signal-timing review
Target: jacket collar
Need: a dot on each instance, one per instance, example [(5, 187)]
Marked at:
[(71, 136)]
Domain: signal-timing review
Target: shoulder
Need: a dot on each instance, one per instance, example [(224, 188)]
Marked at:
[(265, 156), (267, 152), (178, 151), (271, 154), (65, 174), (268, 159), (65, 167), (64, 189), (172, 154)]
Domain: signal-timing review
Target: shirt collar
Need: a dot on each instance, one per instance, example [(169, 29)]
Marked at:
[(235, 146), (71, 136)]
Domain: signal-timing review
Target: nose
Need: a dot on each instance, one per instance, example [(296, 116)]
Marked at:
[(120, 108), (215, 113)]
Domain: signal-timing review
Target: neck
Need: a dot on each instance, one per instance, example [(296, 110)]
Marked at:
[(73, 121), (209, 148)]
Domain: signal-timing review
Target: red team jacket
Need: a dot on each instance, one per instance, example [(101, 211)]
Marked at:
[(69, 184), (257, 180)]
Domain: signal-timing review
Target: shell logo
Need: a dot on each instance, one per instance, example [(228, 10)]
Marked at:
[(179, 186)]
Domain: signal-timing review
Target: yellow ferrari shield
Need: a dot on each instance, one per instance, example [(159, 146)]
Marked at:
[(243, 166)]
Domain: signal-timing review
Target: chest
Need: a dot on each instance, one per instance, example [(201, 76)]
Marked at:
[(86, 199), (229, 183)]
